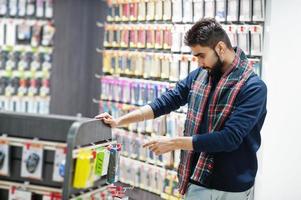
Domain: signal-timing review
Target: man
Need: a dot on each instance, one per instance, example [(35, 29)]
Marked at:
[(226, 110)]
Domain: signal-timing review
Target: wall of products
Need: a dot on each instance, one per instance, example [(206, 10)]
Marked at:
[(24, 79), (26, 45), (144, 55)]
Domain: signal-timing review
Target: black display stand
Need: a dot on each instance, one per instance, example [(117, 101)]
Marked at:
[(73, 131)]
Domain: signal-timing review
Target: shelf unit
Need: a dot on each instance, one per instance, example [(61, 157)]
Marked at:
[(51, 131)]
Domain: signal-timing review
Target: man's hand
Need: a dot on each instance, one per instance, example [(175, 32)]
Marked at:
[(138, 115), (161, 145), (108, 119), (165, 144)]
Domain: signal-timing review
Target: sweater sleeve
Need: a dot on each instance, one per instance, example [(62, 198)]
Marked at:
[(250, 106), (172, 99)]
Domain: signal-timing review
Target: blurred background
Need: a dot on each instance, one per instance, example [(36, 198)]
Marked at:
[(83, 57)]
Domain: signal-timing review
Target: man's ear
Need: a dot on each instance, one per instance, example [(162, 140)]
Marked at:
[(220, 48)]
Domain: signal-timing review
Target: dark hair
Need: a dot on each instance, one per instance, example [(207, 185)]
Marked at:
[(206, 32)]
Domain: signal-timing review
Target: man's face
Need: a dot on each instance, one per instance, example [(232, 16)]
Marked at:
[(207, 58)]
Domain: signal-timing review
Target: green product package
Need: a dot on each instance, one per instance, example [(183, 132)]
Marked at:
[(99, 161)]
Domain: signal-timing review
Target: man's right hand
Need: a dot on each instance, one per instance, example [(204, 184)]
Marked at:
[(138, 115), (108, 119)]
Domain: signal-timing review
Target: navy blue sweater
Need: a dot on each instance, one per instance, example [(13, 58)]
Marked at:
[(234, 147)]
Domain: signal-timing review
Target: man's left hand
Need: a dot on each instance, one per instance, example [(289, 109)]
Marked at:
[(161, 145), (164, 144)]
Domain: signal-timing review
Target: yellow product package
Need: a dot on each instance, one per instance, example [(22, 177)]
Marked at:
[(84, 169)]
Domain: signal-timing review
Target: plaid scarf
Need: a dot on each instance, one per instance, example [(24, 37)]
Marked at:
[(220, 108)]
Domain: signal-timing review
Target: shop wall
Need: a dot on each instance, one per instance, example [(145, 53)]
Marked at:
[(280, 155)]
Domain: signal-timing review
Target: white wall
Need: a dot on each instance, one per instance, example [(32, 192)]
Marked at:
[(279, 175)]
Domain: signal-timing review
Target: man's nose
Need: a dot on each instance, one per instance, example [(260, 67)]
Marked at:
[(201, 62)]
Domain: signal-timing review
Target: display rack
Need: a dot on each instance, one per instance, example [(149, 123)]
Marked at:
[(51, 131)]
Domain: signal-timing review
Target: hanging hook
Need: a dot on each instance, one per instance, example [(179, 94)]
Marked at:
[(97, 76), (95, 100)]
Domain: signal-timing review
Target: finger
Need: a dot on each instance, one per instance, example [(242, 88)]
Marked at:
[(99, 116), (107, 121), (149, 143), (153, 148), (102, 118), (103, 115), (163, 151), (158, 152)]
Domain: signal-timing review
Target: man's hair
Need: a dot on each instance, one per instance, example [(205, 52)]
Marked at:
[(206, 32)]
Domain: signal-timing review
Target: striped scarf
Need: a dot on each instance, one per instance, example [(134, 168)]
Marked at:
[(220, 108)]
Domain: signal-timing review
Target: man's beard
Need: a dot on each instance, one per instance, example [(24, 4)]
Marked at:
[(216, 70)]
